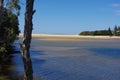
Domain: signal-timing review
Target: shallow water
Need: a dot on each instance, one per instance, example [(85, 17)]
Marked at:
[(80, 59)]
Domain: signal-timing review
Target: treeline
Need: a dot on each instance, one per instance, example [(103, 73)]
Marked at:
[(109, 32), (116, 31)]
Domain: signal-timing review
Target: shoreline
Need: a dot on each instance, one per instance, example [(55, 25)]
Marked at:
[(71, 36)]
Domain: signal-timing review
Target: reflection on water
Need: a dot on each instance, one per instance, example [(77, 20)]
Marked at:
[(7, 71)]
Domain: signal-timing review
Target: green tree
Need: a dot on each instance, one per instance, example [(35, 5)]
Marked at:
[(98, 33), (118, 32), (109, 31), (8, 29), (8, 24), (115, 30), (12, 5)]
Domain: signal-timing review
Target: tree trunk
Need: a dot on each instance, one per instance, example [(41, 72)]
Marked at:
[(1, 3), (1, 7), (25, 46), (1, 14)]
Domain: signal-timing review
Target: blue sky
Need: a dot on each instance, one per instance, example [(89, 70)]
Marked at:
[(73, 16)]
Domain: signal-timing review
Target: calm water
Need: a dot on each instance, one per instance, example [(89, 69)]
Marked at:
[(80, 59)]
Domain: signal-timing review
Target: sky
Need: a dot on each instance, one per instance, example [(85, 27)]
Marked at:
[(72, 16)]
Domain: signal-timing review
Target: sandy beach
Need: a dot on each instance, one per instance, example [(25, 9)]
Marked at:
[(69, 37)]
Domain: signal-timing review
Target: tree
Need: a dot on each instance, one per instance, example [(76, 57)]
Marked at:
[(1, 3), (1, 7), (8, 10), (25, 46), (118, 32), (109, 31), (11, 5), (98, 33), (115, 30), (8, 28)]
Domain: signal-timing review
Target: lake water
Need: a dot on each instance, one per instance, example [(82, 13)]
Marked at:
[(79, 59)]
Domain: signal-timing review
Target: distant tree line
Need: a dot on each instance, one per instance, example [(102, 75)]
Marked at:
[(109, 32), (116, 31)]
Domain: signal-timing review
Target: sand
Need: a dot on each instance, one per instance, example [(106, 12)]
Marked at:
[(69, 37)]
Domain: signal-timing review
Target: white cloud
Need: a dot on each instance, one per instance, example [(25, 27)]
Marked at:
[(116, 5), (116, 8)]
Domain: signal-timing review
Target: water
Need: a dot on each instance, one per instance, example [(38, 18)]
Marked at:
[(84, 59)]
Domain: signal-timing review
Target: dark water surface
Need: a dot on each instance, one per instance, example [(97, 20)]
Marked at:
[(83, 59)]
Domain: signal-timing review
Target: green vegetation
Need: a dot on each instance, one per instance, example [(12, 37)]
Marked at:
[(8, 30), (109, 32), (116, 31)]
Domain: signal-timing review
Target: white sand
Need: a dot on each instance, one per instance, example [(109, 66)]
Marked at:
[(70, 36)]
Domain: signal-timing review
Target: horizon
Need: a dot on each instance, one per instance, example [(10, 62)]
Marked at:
[(72, 16)]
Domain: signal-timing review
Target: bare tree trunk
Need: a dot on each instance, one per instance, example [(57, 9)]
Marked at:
[(1, 3), (1, 7), (25, 46)]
